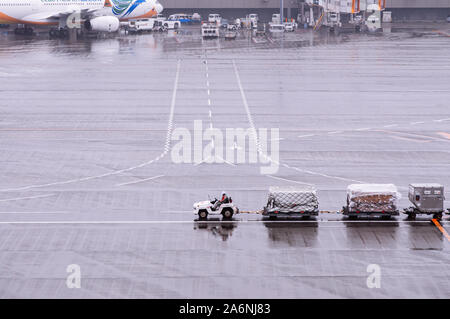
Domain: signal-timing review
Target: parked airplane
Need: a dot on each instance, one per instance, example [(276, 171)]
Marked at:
[(97, 15)]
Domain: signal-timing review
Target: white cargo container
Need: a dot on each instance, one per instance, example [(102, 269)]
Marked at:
[(365, 200)]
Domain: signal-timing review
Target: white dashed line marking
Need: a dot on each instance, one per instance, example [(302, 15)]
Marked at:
[(23, 198), (289, 180), (141, 181), (143, 222), (84, 179)]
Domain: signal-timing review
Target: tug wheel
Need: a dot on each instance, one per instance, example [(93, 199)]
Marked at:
[(227, 213), (203, 214), (438, 216), (412, 216)]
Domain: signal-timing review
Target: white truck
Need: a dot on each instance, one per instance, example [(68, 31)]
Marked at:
[(374, 20), (290, 26), (140, 25), (205, 208), (276, 18), (171, 24), (215, 18), (161, 17), (250, 21), (210, 31)]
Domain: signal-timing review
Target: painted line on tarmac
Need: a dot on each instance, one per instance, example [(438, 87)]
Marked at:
[(255, 136), (385, 126), (441, 229), (31, 213), (141, 181), (144, 222), (113, 173), (413, 135), (288, 180), (445, 135), (24, 198), (73, 130), (307, 135)]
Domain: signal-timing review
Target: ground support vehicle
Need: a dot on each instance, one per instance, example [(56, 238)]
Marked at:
[(210, 31), (206, 208)]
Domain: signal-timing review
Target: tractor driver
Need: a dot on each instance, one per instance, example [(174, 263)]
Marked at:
[(223, 200)]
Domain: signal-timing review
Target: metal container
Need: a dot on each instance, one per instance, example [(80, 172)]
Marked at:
[(427, 198)]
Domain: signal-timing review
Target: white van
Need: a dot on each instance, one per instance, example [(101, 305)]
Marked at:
[(253, 17), (140, 25), (276, 18)]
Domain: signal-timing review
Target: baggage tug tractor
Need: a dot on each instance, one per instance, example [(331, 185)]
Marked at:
[(205, 208), (427, 199)]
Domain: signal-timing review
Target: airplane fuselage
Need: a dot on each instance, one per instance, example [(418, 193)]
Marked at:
[(45, 12)]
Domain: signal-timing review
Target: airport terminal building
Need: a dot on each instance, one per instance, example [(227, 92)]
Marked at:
[(402, 9)]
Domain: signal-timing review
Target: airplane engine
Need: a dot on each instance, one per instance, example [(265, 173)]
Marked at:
[(103, 24)]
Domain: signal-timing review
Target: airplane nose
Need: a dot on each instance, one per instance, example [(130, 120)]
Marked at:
[(159, 8)]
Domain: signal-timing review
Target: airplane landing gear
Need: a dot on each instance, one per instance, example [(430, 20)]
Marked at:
[(25, 30), (61, 33)]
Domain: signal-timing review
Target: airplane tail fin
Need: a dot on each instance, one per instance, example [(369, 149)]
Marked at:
[(108, 4)]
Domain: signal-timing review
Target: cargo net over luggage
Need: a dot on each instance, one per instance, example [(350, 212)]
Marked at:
[(373, 197), (293, 198)]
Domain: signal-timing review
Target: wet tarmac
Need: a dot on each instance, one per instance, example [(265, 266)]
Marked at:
[(88, 176)]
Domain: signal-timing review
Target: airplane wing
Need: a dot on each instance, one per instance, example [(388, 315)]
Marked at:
[(57, 15)]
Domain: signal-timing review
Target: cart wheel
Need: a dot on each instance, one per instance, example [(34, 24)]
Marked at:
[(272, 217), (203, 214), (438, 216), (352, 217), (412, 216), (388, 217), (227, 213)]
